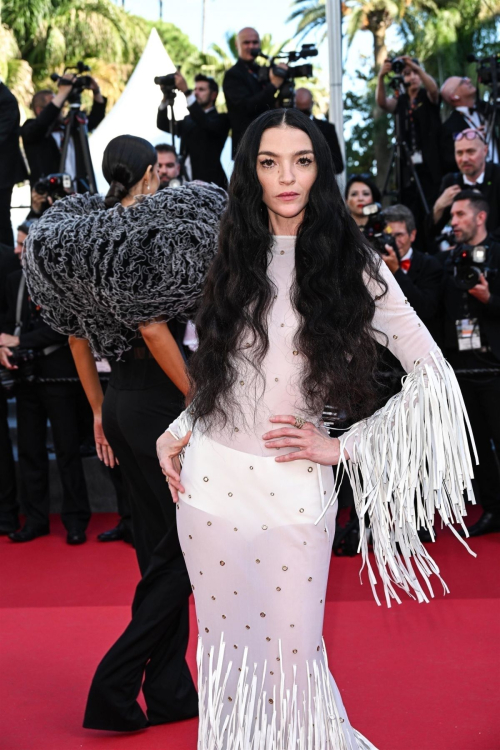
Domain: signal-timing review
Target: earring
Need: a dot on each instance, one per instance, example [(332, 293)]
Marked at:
[(148, 187)]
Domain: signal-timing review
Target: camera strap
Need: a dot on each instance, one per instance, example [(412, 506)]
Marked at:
[(19, 315)]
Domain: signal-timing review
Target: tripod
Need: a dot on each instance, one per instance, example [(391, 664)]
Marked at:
[(169, 93), (401, 157), (76, 122)]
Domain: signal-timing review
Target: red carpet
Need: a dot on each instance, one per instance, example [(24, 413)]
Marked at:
[(416, 677)]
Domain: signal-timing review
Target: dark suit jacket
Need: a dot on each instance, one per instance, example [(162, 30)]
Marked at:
[(41, 148), (9, 262), (490, 188), (12, 168), (423, 288), (488, 315), (246, 98), (36, 334), (328, 130), (203, 135)]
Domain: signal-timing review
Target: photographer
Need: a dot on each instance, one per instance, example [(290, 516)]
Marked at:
[(169, 167), (246, 95), (418, 113), (419, 275), (30, 351), (472, 339), (468, 112), (43, 135), (474, 172), (203, 132), (304, 102)]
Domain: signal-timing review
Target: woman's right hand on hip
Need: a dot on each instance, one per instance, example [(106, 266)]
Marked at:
[(168, 449)]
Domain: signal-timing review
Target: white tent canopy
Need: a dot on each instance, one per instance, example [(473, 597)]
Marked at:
[(135, 111)]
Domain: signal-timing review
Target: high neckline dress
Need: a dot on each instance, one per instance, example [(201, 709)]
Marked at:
[(257, 538)]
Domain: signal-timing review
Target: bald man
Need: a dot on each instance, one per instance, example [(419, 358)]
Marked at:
[(247, 96), (304, 102), (468, 112)]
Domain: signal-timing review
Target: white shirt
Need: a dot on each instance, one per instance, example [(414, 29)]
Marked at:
[(479, 180)]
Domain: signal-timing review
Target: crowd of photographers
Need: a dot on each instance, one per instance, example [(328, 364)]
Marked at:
[(441, 240)]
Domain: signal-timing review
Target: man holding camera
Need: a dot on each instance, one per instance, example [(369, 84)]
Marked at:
[(43, 134), (304, 102), (37, 363), (203, 132), (474, 172), (417, 111), (472, 340), (468, 112), (247, 94)]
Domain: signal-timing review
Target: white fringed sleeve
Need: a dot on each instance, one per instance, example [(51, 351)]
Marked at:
[(411, 458)]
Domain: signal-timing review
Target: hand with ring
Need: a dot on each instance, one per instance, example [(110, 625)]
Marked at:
[(168, 448), (312, 443)]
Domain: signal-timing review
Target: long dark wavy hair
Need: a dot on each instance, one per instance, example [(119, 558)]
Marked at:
[(334, 306)]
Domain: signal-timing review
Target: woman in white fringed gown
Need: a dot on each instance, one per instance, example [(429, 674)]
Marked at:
[(292, 307)]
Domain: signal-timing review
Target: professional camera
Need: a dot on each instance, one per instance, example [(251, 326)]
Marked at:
[(286, 96), (469, 262), (167, 81), (24, 360), (488, 69), (56, 186), (80, 84), (375, 229), (397, 65)]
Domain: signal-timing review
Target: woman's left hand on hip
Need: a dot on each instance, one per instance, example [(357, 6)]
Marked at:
[(312, 443)]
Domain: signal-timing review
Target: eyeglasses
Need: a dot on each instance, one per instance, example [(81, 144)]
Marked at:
[(363, 176), (469, 134)]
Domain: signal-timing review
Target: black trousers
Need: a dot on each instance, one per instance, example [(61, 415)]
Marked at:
[(482, 399), (58, 402), (6, 235), (153, 646), (9, 508)]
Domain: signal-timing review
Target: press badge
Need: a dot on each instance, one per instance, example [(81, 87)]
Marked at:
[(417, 157), (468, 334)]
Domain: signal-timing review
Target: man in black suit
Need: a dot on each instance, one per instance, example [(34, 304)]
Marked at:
[(474, 172), (304, 102), (420, 276), (37, 401), (12, 167), (472, 342), (203, 132), (9, 509), (468, 112), (43, 134), (247, 96)]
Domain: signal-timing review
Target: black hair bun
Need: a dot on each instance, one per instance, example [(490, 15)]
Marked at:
[(116, 193)]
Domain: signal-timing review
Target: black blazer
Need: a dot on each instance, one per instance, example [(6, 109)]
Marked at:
[(203, 135), (9, 262), (490, 188), (12, 167), (422, 285), (328, 130), (41, 149), (36, 334), (246, 97)]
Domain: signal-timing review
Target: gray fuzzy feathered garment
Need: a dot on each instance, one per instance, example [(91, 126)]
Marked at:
[(100, 273)]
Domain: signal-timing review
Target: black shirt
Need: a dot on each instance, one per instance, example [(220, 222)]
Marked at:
[(421, 127)]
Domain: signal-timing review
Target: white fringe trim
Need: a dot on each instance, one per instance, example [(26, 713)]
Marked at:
[(412, 452), (290, 722)]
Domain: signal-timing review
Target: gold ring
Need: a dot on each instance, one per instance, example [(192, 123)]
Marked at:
[(299, 423)]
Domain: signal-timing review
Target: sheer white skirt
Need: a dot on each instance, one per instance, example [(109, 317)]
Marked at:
[(258, 566)]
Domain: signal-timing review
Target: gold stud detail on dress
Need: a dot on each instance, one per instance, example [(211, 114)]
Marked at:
[(317, 648), (394, 336), (262, 614), (282, 325), (264, 528), (213, 597), (304, 542), (277, 658), (257, 561), (235, 646), (271, 700), (209, 523), (242, 382), (235, 592), (282, 252), (276, 380), (341, 720), (192, 587), (230, 699), (321, 601), (295, 352), (190, 536), (271, 672), (309, 579), (418, 325), (229, 494), (205, 479), (223, 617), (207, 630), (284, 567), (272, 494), (310, 468), (251, 467), (301, 510), (189, 496), (292, 626), (247, 627), (294, 651), (268, 639), (278, 588), (235, 528), (222, 562), (236, 429)]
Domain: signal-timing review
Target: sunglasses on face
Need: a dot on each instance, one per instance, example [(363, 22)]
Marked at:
[(468, 135)]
